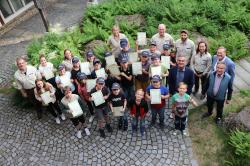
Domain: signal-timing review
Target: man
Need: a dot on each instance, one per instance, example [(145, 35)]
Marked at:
[(25, 78), (180, 73), (218, 85), (221, 57), (185, 46), (162, 37)]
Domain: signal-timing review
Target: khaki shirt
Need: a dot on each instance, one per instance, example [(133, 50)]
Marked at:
[(68, 64), (167, 39), (201, 63), (115, 44), (186, 48), (26, 80)]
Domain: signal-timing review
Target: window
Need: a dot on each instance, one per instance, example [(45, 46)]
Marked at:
[(27, 1), (5, 8), (17, 4)]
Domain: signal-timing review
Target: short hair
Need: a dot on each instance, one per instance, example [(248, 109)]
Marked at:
[(222, 47), (115, 26), (182, 84), (162, 25), (66, 89), (221, 63), (20, 58), (181, 56)]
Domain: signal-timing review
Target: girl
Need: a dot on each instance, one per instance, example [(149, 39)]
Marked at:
[(67, 62)]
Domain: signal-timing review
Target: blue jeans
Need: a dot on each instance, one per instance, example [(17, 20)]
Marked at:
[(135, 124), (123, 120), (160, 112)]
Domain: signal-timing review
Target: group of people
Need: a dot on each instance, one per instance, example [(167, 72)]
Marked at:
[(65, 93)]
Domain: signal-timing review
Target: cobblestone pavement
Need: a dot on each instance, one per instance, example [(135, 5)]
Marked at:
[(24, 140)]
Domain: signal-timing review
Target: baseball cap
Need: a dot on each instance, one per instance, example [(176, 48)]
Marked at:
[(89, 53), (96, 61), (123, 57), (100, 80), (107, 54), (123, 43), (154, 56), (166, 46), (61, 66), (156, 78), (81, 76), (184, 31), (145, 53), (115, 86), (153, 43), (75, 59)]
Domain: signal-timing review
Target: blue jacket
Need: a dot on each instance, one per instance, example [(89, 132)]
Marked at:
[(225, 87), (188, 79), (230, 66)]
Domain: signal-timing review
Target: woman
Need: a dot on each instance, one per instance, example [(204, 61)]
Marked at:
[(67, 60), (114, 40), (43, 87), (201, 65)]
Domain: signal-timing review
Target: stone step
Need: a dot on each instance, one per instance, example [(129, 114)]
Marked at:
[(242, 73), (239, 83), (244, 64)]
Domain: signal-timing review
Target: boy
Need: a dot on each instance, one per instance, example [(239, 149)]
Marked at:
[(102, 109), (180, 103), (138, 111), (157, 108), (117, 99)]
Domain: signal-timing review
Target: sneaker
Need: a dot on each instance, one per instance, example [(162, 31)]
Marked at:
[(218, 121), (63, 116), (175, 132), (87, 131), (79, 134), (171, 116), (58, 120), (205, 115), (109, 128), (91, 118), (102, 133), (184, 132)]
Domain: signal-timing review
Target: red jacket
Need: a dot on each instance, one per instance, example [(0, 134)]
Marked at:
[(143, 108)]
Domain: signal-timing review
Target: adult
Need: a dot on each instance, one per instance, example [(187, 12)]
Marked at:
[(180, 73), (185, 46), (221, 56), (25, 78), (162, 38), (67, 62), (219, 85), (114, 40), (201, 65)]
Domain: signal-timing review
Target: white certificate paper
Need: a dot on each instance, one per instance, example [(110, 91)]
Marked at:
[(156, 70), (85, 68), (110, 60), (155, 96), (90, 84), (118, 111), (133, 57), (141, 38), (100, 73), (165, 61), (76, 108), (48, 74), (65, 80), (98, 98), (114, 69), (46, 97), (137, 68)]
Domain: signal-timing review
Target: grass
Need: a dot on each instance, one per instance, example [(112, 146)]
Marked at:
[(210, 143)]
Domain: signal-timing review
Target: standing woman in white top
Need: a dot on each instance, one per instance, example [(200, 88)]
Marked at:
[(53, 107), (114, 40), (201, 64), (67, 60), (47, 70)]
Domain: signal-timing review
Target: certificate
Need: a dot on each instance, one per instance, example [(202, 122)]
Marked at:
[(46, 98), (85, 68), (110, 60), (137, 68), (155, 96), (165, 61), (65, 80), (156, 70), (114, 69), (100, 73), (90, 84), (141, 38), (98, 98), (133, 57), (118, 111), (48, 74), (76, 109)]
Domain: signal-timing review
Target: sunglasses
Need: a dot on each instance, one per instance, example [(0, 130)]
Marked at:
[(100, 83), (155, 82), (115, 89)]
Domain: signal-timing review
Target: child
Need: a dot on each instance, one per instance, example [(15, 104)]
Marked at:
[(75, 69), (82, 91), (102, 109), (180, 103), (158, 108), (67, 62), (117, 99), (138, 111), (78, 121), (167, 51), (42, 87), (90, 58)]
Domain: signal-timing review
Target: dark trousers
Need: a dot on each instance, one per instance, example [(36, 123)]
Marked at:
[(180, 123), (90, 107), (35, 103), (219, 106), (77, 120), (197, 83), (53, 108)]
